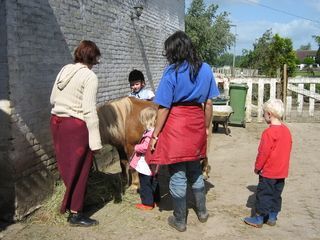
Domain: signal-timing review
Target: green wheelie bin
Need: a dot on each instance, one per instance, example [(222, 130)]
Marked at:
[(238, 95)]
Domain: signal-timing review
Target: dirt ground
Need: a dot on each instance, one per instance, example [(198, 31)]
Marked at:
[(230, 198)]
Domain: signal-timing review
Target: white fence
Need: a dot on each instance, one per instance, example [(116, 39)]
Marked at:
[(302, 102)]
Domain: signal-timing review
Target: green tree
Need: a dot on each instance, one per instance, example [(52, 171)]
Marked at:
[(271, 52), (282, 53), (308, 61), (305, 47), (225, 59), (209, 31), (317, 39)]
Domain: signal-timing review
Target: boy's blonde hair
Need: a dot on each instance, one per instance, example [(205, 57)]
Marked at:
[(148, 117), (274, 106)]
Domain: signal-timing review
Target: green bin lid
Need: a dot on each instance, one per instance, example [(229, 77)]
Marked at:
[(238, 85)]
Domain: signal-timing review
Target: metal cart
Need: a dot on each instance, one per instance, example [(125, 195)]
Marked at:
[(221, 115)]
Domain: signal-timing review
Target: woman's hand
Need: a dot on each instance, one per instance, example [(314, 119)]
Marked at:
[(153, 144)]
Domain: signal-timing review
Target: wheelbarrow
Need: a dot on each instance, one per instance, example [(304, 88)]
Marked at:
[(221, 115)]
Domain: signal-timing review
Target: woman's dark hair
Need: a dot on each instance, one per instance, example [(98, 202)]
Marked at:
[(87, 52), (178, 48), (136, 75)]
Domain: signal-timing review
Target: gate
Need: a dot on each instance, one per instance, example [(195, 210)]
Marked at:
[(302, 101)]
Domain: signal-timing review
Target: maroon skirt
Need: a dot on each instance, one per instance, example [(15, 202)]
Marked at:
[(74, 159), (183, 137)]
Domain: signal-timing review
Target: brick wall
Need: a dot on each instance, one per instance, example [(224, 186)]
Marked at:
[(40, 37)]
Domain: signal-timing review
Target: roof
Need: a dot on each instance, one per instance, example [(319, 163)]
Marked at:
[(302, 54)]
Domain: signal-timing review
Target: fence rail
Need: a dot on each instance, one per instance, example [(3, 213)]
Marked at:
[(302, 101)]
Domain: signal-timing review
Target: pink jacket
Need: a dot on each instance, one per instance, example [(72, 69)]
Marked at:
[(141, 148)]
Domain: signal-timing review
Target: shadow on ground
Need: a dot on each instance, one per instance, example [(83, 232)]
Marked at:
[(101, 189), (252, 199)]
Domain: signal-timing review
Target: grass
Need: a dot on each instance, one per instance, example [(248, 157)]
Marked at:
[(50, 211), (101, 189), (308, 74)]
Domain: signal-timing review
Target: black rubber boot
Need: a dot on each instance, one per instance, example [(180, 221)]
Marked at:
[(201, 210), (178, 220)]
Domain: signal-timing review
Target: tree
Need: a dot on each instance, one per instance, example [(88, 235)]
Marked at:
[(308, 60), (305, 47), (225, 59), (317, 39), (209, 31), (271, 52)]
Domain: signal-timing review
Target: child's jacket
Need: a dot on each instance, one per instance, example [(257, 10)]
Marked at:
[(274, 152), (138, 161)]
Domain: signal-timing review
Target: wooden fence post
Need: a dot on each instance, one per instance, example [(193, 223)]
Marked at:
[(300, 99), (311, 100), (284, 89), (260, 98), (249, 101)]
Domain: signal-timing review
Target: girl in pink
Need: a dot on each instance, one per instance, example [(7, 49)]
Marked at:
[(149, 187)]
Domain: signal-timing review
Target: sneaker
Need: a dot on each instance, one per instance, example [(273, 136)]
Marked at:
[(272, 218), (143, 206), (256, 221)]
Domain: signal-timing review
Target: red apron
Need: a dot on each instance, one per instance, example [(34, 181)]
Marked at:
[(183, 137)]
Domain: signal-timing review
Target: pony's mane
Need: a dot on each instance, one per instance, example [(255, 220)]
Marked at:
[(112, 117)]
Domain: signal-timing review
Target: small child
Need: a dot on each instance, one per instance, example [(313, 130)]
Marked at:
[(272, 165), (149, 187), (137, 85)]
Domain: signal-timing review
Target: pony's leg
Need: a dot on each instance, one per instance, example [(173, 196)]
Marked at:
[(125, 172), (135, 184), (124, 164)]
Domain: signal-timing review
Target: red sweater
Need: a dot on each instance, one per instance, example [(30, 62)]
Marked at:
[(274, 152)]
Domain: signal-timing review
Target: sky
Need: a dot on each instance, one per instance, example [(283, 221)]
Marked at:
[(298, 20)]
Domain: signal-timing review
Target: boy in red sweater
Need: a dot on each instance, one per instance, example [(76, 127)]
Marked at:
[(272, 165)]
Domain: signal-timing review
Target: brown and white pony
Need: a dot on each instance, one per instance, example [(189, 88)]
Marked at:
[(120, 127)]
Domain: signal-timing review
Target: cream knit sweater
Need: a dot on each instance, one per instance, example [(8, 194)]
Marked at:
[(74, 95)]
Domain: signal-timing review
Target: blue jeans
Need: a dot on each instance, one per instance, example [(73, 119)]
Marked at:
[(149, 189), (183, 173), (268, 197)]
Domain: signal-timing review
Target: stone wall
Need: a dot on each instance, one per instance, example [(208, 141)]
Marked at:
[(40, 37)]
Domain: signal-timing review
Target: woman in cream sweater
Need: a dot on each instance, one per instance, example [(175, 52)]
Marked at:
[(75, 128)]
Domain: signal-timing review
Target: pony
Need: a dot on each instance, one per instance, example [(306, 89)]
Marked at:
[(120, 127)]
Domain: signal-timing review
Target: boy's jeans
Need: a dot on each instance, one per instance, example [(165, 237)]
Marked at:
[(268, 197)]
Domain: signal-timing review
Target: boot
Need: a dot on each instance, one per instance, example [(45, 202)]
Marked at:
[(178, 220), (201, 210), (79, 220), (256, 221), (272, 218)]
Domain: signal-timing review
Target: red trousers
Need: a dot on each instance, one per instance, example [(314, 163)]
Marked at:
[(74, 159)]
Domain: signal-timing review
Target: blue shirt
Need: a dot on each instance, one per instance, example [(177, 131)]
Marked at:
[(176, 86)]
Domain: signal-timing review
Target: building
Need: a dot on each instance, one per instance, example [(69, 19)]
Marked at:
[(37, 38)]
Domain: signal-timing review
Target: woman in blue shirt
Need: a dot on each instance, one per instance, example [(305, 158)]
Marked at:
[(180, 136)]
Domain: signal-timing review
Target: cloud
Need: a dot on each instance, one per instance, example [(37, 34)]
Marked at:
[(299, 31), (315, 4)]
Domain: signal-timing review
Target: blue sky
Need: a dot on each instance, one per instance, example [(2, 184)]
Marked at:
[(295, 19)]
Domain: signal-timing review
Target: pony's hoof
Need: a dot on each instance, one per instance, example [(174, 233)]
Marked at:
[(133, 188)]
